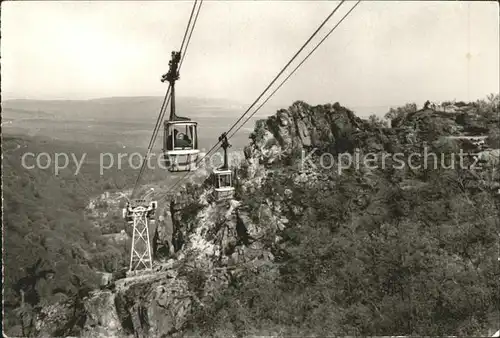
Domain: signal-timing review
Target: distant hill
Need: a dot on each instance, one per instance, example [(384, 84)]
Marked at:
[(116, 108), (120, 120), (128, 121)]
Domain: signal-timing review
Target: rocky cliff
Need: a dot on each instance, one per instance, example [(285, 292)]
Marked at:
[(206, 247)]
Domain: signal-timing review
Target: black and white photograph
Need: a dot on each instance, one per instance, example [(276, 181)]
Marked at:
[(250, 168)]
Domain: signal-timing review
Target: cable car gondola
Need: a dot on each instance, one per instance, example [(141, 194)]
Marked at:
[(180, 138), (223, 176)]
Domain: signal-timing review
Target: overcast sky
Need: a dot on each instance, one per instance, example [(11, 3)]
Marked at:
[(384, 53)]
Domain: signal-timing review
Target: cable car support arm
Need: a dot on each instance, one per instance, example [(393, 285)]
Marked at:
[(224, 145)]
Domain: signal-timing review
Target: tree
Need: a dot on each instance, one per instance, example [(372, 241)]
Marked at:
[(489, 107), (26, 286), (494, 138), (494, 101), (401, 112), (26, 289), (377, 122)]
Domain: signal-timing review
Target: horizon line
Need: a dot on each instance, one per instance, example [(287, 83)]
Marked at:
[(354, 108)]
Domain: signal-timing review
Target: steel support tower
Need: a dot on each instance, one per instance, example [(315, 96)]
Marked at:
[(140, 251)]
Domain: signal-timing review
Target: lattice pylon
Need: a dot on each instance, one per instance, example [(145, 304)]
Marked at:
[(140, 251)]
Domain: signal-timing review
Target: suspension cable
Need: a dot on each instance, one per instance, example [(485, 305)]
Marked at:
[(282, 83), (295, 69), (153, 139), (289, 62), (191, 33), (166, 100), (188, 25), (277, 76), (167, 97), (272, 82)]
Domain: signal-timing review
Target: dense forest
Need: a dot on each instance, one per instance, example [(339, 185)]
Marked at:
[(52, 250), (375, 252), (377, 260)]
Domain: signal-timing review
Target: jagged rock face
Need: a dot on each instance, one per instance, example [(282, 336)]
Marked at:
[(154, 309), (102, 318), (151, 306), (220, 234), (302, 126), (434, 123), (58, 319), (330, 128), (334, 129), (164, 235)]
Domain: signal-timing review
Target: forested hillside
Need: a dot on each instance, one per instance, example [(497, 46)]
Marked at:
[(44, 218), (364, 254), (365, 251)]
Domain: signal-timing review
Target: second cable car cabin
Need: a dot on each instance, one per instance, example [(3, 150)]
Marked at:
[(223, 180), (180, 138), (223, 184)]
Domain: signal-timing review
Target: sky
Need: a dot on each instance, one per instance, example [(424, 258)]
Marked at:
[(384, 53)]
